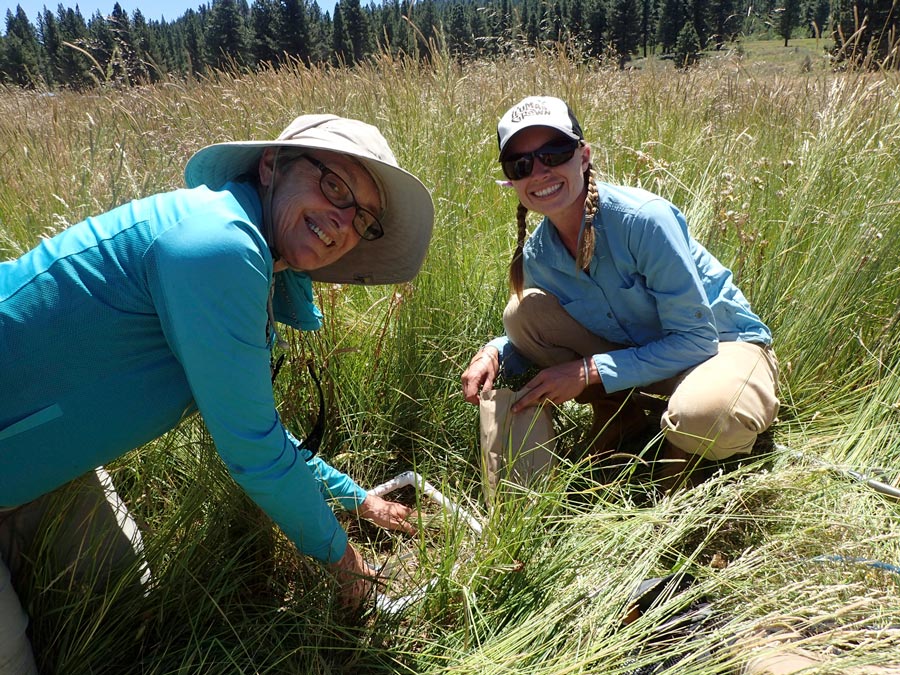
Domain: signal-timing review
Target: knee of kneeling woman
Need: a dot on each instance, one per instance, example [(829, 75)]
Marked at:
[(717, 437), (522, 315)]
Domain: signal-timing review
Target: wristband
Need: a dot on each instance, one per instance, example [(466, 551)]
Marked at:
[(587, 371)]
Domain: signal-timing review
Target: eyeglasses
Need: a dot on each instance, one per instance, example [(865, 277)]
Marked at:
[(339, 193), (554, 153)]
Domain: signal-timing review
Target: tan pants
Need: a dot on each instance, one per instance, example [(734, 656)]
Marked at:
[(715, 409), (94, 536), (777, 654)]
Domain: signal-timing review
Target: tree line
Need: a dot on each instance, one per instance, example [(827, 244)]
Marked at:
[(64, 49)]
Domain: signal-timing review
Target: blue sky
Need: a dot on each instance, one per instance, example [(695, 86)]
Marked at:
[(170, 9), (158, 9)]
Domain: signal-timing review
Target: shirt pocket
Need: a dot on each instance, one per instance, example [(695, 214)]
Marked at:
[(32, 421), (599, 318), (637, 313)]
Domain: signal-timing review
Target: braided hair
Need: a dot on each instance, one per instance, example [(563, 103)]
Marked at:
[(585, 238)]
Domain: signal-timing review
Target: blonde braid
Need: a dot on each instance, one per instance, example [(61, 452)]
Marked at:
[(586, 239), (516, 273)]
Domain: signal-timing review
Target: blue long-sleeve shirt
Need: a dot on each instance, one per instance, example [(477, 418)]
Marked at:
[(113, 330), (650, 288)]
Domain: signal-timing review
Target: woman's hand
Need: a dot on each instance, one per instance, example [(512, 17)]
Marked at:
[(481, 373), (558, 383), (357, 580), (389, 515)]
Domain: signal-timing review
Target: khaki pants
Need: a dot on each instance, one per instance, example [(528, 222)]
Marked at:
[(715, 409), (93, 537), (777, 654)]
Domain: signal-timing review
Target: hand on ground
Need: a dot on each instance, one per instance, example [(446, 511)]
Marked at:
[(389, 515), (357, 580)]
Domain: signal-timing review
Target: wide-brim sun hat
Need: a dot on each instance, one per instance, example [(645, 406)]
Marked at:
[(537, 111), (407, 208)]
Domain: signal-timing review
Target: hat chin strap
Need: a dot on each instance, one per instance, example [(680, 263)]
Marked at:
[(268, 228)]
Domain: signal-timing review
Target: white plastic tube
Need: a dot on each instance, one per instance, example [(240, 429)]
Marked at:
[(385, 603), (412, 478)]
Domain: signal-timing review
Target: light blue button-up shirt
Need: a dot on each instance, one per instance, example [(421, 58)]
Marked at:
[(651, 288)]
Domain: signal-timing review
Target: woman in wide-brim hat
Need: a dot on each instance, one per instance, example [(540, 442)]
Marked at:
[(168, 304)]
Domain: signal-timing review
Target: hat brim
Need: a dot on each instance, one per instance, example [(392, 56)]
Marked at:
[(408, 215), (504, 153)]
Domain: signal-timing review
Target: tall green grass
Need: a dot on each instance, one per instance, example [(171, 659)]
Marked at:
[(790, 179)]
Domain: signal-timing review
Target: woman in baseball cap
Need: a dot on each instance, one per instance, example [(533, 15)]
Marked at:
[(168, 304), (612, 297)]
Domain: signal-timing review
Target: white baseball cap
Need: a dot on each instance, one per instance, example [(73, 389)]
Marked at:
[(407, 209), (537, 111)]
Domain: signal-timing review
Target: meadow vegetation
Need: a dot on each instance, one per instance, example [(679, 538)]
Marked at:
[(790, 177)]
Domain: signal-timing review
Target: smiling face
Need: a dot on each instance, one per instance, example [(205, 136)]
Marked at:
[(308, 231), (557, 192)]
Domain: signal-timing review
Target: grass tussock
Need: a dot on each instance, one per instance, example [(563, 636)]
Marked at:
[(792, 180)]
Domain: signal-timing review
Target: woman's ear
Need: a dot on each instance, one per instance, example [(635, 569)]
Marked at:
[(265, 166), (585, 157)]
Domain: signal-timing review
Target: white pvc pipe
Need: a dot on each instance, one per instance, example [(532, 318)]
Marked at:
[(412, 478), (386, 603)]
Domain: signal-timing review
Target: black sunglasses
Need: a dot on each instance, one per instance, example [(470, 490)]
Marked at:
[(339, 193), (554, 153)]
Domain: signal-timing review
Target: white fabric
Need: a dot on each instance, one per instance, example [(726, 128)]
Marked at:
[(16, 657)]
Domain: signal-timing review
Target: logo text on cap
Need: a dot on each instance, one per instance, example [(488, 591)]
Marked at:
[(530, 109)]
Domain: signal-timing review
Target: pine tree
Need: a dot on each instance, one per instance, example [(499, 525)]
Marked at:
[(787, 21), (319, 34), (48, 34), (723, 22), (358, 28), (226, 36), (815, 16), (110, 44), (341, 48), (293, 39), (148, 57), (647, 22), (557, 29), (73, 63), (598, 26), (687, 46), (194, 42), (504, 26), (698, 13), (264, 27), (176, 46), (672, 17), (458, 33), (533, 22), (423, 16), (20, 57), (625, 28), (577, 21), (480, 30)]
